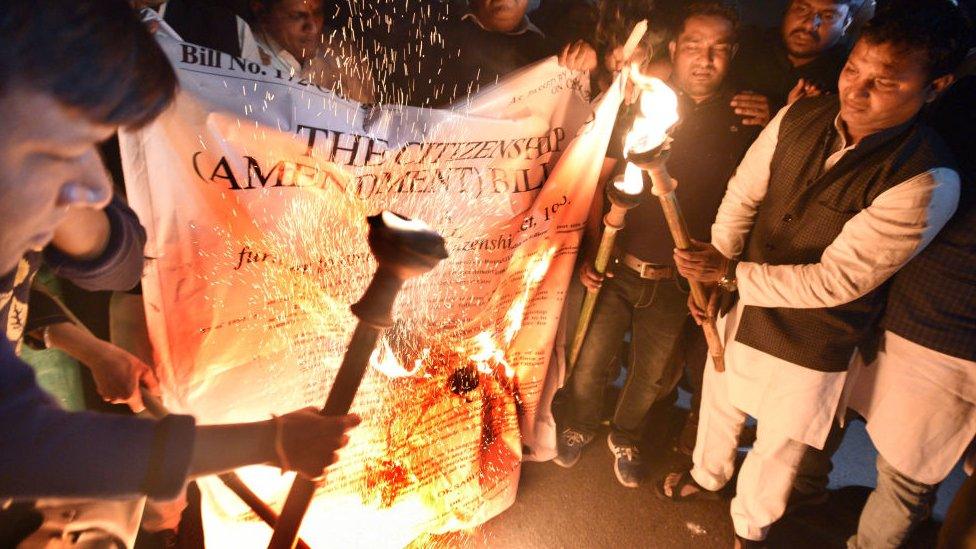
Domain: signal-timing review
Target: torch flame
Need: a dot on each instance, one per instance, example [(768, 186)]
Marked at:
[(633, 181), (658, 112)]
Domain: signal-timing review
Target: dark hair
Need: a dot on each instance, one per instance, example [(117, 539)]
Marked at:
[(91, 55), (937, 27), (725, 10), (617, 19)]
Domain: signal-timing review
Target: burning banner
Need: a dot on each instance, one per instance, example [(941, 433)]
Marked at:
[(254, 189)]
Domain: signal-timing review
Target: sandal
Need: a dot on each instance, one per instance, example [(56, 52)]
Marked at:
[(684, 480)]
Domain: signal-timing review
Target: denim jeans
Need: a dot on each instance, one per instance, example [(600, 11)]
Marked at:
[(893, 510), (654, 311)]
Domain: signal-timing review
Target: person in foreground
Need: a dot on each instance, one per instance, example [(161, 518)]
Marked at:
[(58, 99), (836, 195)]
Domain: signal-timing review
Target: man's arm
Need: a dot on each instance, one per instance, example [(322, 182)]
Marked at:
[(49, 452), (873, 245), (746, 191), (99, 249)]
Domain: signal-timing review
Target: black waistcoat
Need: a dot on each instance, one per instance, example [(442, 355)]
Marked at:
[(806, 208), (933, 299)]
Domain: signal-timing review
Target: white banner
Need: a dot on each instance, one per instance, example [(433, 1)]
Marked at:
[(254, 190)]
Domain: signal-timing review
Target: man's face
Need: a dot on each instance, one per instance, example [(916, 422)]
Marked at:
[(701, 55), (500, 15), (882, 86), (48, 165), (811, 27), (296, 25)]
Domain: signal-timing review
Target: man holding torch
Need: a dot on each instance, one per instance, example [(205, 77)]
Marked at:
[(835, 196), (58, 99), (642, 292)]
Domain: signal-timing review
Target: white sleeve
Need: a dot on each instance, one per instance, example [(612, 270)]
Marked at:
[(746, 191), (249, 46), (872, 246)]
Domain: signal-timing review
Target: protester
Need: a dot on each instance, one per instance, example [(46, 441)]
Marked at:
[(811, 268), (290, 38), (642, 292), (927, 355), (801, 58), (109, 73)]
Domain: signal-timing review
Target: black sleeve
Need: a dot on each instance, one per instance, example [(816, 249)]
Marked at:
[(120, 265), (44, 311)]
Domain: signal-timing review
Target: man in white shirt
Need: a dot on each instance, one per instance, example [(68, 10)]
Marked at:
[(835, 196), (290, 38), (919, 395)]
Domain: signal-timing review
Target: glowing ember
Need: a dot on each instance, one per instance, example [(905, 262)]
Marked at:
[(633, 182), (658, 112)]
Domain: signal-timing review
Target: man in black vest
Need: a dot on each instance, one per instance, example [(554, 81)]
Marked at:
[(919, 395), (643, 293), (835, 196)]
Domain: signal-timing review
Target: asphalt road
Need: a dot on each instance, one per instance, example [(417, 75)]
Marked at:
[(585, 507)]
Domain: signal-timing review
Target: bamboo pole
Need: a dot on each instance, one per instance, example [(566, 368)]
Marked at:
[(620, 202), (664, 188), (402, 252)]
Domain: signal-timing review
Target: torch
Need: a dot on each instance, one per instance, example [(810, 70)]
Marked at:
[(647, 147), (404, 249), (624, 194)]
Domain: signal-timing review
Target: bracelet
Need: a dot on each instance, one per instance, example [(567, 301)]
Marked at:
[(279, 444)]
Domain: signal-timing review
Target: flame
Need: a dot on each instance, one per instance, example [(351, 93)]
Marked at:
[(633, 181), (487, 349), (385, 361), (658, 112)]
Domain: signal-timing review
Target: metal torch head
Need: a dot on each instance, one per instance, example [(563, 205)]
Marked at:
[(627, 189), (650, 158), (407, 247)]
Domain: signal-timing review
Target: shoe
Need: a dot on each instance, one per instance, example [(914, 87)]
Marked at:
[(627, 464), (569, 447)]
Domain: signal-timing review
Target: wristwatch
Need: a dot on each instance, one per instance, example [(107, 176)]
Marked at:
[(728, 281)]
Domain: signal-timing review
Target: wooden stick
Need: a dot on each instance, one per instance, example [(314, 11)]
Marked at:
[(402, 252), (664, 187)]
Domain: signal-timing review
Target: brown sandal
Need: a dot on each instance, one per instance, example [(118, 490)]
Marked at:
[(684, 480)]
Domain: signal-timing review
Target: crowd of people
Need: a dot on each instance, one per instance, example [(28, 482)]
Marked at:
[(826, 176)]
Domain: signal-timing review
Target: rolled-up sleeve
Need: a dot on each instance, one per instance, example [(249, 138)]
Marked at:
[(120, 265), (48, 452)]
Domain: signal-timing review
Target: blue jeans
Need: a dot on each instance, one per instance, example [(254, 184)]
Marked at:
[(654, 311), (893, 510)]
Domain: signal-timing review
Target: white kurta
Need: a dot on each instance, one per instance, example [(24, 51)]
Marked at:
[(794, 401), (920, 407)]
